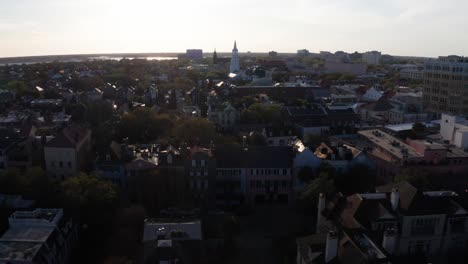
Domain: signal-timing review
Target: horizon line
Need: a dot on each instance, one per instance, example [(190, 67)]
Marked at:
[(204, 52)]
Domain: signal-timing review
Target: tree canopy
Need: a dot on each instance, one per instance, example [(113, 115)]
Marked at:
[(262, 113), (144, 125)]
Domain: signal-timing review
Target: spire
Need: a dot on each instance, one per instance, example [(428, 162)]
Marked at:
[(235, 67), (215, 57)]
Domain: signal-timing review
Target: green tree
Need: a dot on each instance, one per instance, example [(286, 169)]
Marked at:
[(144, 125), (86, 191), (194, 130), (324, 183), (99, 112), (33, 184), (265, 114)]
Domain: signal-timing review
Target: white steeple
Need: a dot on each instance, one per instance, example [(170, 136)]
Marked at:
[(235, 67)]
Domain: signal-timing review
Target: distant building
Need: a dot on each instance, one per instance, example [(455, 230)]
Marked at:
[(194, 54), (67, 154), (235, 66), (215, 58), (272, 54), (445, 82), (372, 57), (343, 67), (303, 52), (39, 236), (412, 74)]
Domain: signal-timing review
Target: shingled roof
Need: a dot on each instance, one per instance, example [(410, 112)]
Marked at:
[(70, 137)]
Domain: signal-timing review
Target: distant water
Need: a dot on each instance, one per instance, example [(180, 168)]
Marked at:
[(90, 58), (131, 58)]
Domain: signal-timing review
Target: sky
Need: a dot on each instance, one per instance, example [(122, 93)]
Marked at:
[(398, 27)]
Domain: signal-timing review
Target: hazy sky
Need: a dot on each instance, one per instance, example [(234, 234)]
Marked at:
[(399, 27)]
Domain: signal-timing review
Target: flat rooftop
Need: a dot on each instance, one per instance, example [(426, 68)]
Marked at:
[(390, 144), (152, 228), (18, 251), (27, 233)]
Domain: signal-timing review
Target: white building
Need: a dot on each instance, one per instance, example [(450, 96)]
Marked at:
[(454, 130), (412, 74), (372, 57), (235, 66)]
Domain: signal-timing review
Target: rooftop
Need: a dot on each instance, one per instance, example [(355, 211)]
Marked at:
[(19, 251), (154, 230), (390, 144)]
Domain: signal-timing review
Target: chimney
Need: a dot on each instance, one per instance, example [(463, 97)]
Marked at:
[(320, 217), (331, 249), (395, 198), (389, 241)]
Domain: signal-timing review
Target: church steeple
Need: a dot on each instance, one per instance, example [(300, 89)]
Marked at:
[(235, 67), (215, 57)]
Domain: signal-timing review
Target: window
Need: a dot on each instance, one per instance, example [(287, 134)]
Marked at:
[(61, 164), (69, 164), (202, 163), (194, 163)]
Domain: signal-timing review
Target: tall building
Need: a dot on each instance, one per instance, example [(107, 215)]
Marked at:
[(235, 67), (446, 85), (215, 57), (372, 57)]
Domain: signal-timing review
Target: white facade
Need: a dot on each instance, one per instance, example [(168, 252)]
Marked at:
[(412, 74), (454, 130), (235, 66), (372, 57)]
